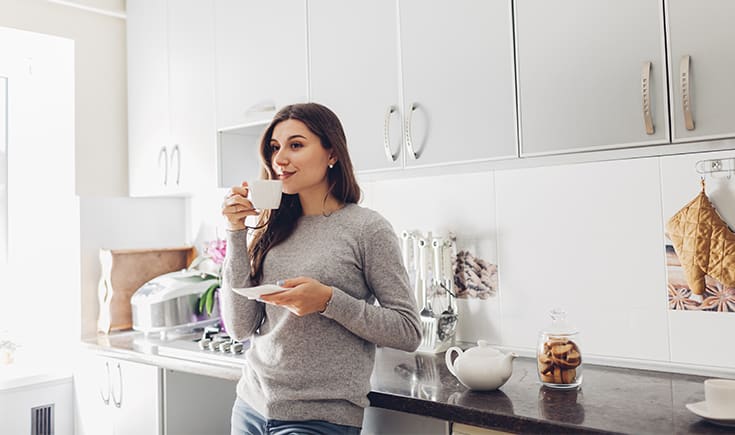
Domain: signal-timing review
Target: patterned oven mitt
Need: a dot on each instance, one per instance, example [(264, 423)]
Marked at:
[(704, 243)]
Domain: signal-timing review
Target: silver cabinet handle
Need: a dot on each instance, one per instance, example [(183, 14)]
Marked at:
[(176, 152), (163, 154), (409, 141), (118, 401), (646, 95), (102, 394), (686, 97), (392, 157)]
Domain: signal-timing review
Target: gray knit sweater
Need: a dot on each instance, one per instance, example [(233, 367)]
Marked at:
[(318, 367)]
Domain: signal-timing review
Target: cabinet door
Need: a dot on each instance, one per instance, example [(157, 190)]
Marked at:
[(136, 398), (260, 58), (191, 77), (148, 110), (458, 80), (704, 33), (580, 74), (195, 404), (92, 401), (353, 58)]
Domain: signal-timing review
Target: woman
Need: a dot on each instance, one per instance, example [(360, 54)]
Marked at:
[(312, 346)]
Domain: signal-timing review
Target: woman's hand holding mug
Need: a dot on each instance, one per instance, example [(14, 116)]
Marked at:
[(236, 207)]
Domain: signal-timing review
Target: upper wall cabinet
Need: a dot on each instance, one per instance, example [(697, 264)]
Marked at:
[(458, 84), (353, 53), (591, 75), (702, 67), (171, 124), (260, 59), (452, 65)]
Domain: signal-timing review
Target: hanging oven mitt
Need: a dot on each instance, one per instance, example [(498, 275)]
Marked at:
[(704, 243)]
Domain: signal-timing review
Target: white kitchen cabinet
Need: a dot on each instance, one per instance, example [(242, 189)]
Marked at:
[(148, 105), (701, 34), (353, 56), (171, 101), (591, 75), (117, 397), (260, 59), (464, 429), (441, 93), (458, 81)]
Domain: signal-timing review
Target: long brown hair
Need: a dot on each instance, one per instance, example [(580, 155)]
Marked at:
[(274, 226)]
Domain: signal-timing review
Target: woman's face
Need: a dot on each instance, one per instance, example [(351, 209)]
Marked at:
[(298, 158)]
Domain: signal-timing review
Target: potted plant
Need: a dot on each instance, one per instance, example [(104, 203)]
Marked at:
[(209, 266)]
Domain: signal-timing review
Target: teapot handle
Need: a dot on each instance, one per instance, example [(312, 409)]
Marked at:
[(448, 359)]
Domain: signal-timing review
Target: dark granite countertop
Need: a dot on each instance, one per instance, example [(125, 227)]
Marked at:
[(610, 400)]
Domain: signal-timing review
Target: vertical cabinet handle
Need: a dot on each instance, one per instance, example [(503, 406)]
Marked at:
[(409, 140), (163, 155), (106, 399), (389, 154), (646, 96), (118, 400), (177, 152), (686, 96)]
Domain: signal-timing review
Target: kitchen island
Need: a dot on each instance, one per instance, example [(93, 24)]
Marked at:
[(610, 400)]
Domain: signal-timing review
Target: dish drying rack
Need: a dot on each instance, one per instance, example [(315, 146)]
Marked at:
[(429, 261)]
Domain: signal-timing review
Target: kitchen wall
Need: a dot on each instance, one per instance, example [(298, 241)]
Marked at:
[(100, 85), (588, 237)]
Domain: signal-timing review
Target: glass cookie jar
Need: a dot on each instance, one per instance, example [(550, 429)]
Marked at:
[(558, 354)]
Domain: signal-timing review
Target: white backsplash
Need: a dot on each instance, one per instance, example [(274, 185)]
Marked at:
[(587, 237)]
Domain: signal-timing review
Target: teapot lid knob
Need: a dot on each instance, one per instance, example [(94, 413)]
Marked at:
[(483, 343)]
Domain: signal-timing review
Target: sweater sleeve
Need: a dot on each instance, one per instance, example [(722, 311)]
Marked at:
[(241, 316), (395, 322)]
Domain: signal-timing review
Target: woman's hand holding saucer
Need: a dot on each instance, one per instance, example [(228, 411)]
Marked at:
[(302, 296)]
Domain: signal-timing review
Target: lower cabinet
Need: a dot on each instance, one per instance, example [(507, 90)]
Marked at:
[(116, 397), (196, 405), (379, 421), (463, 429)]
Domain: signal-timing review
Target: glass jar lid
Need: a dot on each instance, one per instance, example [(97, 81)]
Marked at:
[(559, 324)]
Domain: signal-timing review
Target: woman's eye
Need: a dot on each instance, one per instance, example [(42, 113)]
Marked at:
[(275, 148), (296, 145)]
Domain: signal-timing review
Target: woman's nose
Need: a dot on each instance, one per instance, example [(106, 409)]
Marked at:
[(280, 158)]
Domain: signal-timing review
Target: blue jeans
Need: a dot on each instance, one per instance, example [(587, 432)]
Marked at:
[(247, 421)]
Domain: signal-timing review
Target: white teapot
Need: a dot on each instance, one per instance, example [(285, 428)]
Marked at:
[(482, 367)]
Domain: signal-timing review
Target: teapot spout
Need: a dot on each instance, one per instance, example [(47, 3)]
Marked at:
[(508, 360)]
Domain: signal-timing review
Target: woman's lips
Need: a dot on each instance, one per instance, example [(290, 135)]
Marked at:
[(284, 175)]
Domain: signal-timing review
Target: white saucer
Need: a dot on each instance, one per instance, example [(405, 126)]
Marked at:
[(258, 291), (700, 408)]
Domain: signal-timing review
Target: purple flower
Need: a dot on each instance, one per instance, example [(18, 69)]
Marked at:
[(216, 250)]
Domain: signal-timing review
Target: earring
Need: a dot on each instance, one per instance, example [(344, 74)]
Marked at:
[(331, 165)]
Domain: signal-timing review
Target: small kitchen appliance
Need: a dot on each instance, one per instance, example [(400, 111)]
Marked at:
[(171, 301)]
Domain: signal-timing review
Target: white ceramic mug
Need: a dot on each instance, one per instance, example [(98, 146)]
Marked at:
[(265, 194), (720, 397)]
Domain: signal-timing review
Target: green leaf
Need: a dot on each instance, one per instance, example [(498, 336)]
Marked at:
[(209, 303)]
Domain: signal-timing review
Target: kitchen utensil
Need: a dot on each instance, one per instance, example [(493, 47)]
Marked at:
[(558, 354), (428, 321), (480, 368), (443, 281)]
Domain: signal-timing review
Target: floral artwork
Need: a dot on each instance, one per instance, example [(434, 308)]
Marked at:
[(716, 297)]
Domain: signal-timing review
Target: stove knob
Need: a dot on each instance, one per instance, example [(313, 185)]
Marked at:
[(225, 347), (204, 343), (236, 348), (214, 345)]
